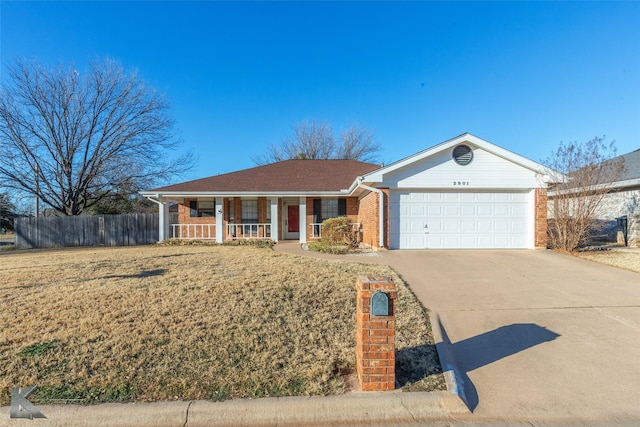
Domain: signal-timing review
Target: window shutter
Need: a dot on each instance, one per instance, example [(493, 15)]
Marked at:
[(193, 205), (342, 207), (317, 210)]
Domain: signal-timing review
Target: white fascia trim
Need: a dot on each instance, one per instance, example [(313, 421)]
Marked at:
[(378, 175), (613, 186), (185, 194)]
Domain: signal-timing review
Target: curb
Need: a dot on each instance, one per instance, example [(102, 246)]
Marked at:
[(452, 377), (370, 408)]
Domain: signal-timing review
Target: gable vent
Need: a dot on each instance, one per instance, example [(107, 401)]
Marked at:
[(462, 155)]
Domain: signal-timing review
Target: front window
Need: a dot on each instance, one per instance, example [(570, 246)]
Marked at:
[(328, 208), (230, 210), (202, 208), (268, 210), (249, 211)]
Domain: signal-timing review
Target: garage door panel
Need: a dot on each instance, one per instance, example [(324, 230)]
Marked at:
[(502, 210), (417, 210), (468, 226), (451, 210), (501, 226), (463, 219), (416, 227), (483, 210), (451, 226), (434, 211), (484, 226), (468, 210)]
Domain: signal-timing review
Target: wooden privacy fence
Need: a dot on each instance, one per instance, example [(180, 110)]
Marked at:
[(89, 230)]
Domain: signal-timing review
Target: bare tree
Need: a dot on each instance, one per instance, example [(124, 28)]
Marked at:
[(358, 143), (313, 140), (583, 174), (72, 138)]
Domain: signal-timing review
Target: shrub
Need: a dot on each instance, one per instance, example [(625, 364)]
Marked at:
[(257, 243), (337, 237)]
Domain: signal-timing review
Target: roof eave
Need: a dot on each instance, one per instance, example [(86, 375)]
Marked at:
[(186, 194)]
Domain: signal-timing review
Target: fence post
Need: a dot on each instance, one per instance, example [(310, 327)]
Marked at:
[(375, 332)]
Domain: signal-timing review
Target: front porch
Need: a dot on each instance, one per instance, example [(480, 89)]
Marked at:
[(277, 218)]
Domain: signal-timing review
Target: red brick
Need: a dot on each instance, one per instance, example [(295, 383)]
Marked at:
[(383, 332), (375, 340), (381, 362)]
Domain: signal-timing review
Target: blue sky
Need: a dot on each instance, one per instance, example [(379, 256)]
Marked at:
[(523, 75)]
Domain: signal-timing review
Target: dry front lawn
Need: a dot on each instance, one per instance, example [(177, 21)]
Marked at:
[(189, 322), (617, 258)]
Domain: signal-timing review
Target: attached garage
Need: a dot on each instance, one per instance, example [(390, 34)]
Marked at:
[(460, 219), (465, 193)]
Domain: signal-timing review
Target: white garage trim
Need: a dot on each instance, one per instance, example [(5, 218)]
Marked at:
[(470, 219)]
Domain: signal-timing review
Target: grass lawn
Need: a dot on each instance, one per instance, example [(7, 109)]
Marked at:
[(617, 258), (190, 322)]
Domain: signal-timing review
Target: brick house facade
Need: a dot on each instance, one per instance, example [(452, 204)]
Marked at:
[(429, 200)]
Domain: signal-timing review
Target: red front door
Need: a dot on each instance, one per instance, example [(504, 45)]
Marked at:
[(293, 218)]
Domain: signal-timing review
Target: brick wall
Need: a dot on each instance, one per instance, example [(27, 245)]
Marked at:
[(375, 335), (369, 219), (184, 217), (541, 206), (352, 213)]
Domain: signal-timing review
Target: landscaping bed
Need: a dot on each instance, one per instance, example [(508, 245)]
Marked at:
[(190, 322)]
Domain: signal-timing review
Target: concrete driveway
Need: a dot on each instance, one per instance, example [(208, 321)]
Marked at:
[(533, 335)]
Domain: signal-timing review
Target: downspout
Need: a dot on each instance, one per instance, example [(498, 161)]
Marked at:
[(381, 196)]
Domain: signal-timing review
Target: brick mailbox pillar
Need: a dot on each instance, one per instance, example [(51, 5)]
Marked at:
[(376, 330)]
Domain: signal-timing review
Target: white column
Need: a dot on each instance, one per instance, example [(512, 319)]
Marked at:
[(274, 219), (219, 219), (303, 220), (163, 217)]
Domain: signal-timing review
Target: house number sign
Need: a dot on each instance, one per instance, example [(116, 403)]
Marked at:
[(457, 183)]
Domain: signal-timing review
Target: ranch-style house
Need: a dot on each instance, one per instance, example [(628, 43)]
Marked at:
[(463, 193)]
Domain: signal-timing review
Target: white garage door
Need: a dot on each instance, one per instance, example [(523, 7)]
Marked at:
[(458, 220)]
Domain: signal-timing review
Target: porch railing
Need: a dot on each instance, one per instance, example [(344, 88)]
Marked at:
[(316, 229), (249, 231), (193, 231)]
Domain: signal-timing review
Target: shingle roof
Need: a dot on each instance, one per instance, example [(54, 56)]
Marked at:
[(631, 165), (284, 176)]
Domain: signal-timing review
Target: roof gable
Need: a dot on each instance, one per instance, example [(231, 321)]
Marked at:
[(439, 155), (280, 177)]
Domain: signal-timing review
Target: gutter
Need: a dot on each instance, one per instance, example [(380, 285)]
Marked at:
[(152, 199), (381, 196)]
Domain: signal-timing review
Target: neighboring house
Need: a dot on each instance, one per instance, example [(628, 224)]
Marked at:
[(462, 193), (623, 200)]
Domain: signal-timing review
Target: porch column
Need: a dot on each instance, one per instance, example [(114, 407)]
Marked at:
[(274, 218), (303, 220), (219, 219), (163, 219)]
